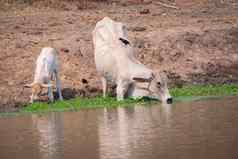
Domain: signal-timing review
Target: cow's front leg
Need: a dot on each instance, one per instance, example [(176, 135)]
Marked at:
[(122, 87)]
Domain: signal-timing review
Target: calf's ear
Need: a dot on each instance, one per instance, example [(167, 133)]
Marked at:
[(28, 85)]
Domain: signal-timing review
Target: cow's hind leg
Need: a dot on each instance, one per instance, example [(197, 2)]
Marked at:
[(104, 86)]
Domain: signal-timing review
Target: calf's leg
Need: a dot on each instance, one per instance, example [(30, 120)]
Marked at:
[(50, 94), (58, 87)]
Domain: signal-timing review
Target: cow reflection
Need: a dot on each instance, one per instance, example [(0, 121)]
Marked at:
[(133, 132)]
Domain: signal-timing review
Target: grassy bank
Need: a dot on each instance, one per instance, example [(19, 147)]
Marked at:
[(207, 90), (79, 103)]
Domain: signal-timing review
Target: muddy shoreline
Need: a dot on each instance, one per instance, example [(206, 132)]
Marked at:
[(197, 44)]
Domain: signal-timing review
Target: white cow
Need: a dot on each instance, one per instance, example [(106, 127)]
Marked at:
[(46, 70), (116, 63)]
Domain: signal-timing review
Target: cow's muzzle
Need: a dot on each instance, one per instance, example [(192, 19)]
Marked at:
[(169, 101)]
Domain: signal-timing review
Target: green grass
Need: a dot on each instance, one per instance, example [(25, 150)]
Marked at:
[(179, 93), (80, 103), (206, 90)]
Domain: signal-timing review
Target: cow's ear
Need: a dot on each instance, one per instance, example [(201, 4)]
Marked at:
[(28, 85), (46, 85), (124, 41), (139, 79)]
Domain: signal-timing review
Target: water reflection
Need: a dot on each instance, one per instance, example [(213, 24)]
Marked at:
[(50, 134), (198, 130)]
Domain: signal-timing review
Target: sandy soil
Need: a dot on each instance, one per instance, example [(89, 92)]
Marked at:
[(195, 44)]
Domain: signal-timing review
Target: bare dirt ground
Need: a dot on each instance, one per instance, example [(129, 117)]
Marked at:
[(195, 44)]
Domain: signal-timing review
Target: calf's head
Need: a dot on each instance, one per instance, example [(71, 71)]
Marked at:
[(157, 87), (36, 89)]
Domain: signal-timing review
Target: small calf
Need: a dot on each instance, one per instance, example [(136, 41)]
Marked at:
[(46, 70)]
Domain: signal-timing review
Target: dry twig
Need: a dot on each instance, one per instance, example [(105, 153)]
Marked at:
[(167, 5)]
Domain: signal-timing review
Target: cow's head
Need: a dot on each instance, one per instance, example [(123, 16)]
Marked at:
[(36, 89), (157, 87)]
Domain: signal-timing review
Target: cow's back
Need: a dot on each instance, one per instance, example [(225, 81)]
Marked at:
[(48, 55), (46, 63)]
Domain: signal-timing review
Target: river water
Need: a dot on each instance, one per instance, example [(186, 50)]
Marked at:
[(205, 129)]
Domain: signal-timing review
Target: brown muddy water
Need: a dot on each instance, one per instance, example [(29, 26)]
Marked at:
[(206, 129)]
